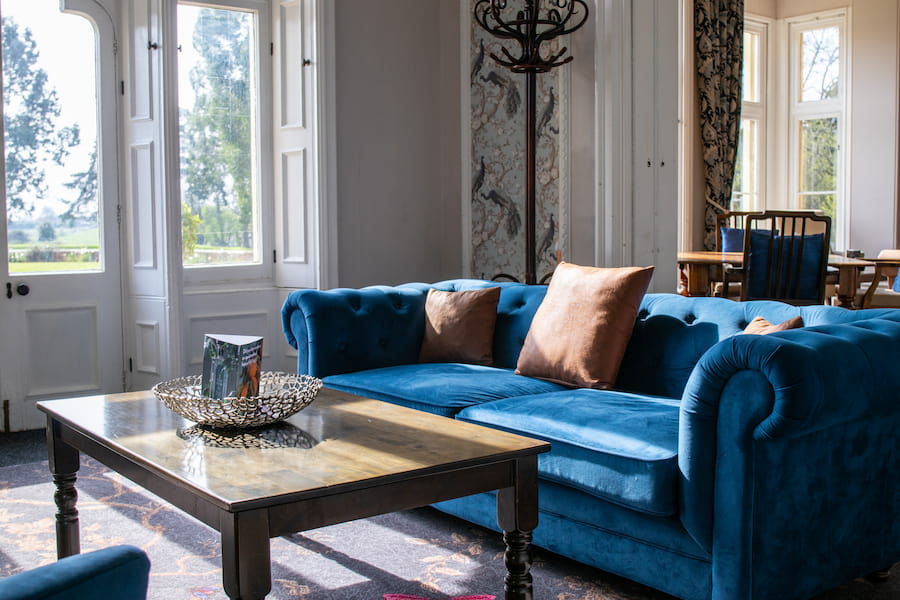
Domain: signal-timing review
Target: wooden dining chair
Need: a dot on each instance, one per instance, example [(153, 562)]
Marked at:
[(786, 256), (730, 230), (729, 238)]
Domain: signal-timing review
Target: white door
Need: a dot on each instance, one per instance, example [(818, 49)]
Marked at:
[(60, 298)]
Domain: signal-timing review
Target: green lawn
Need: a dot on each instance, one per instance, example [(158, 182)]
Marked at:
[(65, 238), (50, 267)]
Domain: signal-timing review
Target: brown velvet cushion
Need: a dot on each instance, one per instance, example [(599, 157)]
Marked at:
[(579, 332), (459, 326), (760, 326)]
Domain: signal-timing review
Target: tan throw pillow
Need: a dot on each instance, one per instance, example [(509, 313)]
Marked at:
[(580, 331), (459, 326), (760, 326)]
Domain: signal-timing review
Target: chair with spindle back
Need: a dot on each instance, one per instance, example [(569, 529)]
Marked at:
[(730, 238), (786, 257), (730, 230)]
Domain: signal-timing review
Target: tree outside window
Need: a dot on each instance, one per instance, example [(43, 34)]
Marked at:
[(50, 153), (818, 117), (218, 136)]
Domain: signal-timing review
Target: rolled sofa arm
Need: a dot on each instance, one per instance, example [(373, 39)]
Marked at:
[(749, 392), (343, 330), (119, 572)]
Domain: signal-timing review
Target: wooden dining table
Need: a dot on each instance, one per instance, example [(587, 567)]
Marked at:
[(702, 266)]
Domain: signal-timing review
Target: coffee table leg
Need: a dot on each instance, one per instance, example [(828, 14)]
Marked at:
[(246, 563), (64, 463), (517, 515)]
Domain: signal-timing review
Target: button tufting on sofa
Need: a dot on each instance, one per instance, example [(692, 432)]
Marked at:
[(710, 471)]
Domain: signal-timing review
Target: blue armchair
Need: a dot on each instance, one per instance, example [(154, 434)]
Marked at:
[(119, 572)]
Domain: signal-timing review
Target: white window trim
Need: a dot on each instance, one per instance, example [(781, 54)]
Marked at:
[(759, 110), (838, 107), (262, 271)]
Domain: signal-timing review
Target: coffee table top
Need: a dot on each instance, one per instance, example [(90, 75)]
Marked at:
[(340, 440)]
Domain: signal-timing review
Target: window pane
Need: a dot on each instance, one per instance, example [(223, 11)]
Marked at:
[(751, 75), (818, 155), (818, 167), (50, 139), (745, 189), (820, 64), (217, 94)]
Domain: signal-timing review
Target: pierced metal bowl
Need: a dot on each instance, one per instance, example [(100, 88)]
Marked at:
[(280, 396)]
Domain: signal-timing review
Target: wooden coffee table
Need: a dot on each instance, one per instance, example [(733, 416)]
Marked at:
[(342, 458)]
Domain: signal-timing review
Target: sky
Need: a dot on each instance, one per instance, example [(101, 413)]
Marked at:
[(66, 44), (69, 65)]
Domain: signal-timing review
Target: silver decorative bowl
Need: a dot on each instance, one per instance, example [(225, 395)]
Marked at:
[(280, 396)]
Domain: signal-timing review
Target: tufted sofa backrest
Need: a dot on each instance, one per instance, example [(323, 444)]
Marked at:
[(342, 330), (672, 333), (518, 303)]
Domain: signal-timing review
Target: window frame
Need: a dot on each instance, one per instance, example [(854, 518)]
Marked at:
[(839, 107), (758, 110), (263, 167)]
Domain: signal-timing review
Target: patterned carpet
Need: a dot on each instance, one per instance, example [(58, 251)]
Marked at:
[(420, 552)]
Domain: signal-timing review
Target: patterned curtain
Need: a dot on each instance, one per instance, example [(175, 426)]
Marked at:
[(718, 36)]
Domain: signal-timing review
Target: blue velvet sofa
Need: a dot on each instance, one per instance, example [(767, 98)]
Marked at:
[(721, 466), (118, 572)]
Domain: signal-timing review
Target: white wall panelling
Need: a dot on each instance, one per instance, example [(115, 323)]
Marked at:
[(235, 312), (295, 206), (614, 142), (63, 364), (151, 295), (143, 226), (654, 218), (147, 357), (147, 343), (288, 353), (637, 136), (292, 97), (298, 62), (143, 25)]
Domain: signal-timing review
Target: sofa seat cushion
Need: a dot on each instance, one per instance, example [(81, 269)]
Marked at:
[(439, 388), (617, 446)]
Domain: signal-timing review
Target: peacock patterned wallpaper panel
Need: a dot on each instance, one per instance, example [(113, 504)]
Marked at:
[(498, 162)]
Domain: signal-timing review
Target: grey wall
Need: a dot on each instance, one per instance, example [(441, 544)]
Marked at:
[(398, 141)]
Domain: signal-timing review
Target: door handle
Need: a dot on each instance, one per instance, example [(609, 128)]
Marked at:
[(8, 290), (22, 289)]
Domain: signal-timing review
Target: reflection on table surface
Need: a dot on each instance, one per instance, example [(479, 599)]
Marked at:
[(338, 439)]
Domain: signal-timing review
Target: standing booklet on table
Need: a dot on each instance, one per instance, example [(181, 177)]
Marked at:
[(231, 366)]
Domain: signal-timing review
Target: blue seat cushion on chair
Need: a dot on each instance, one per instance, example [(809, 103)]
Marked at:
[(758, 263), (119, 572), (617, 446), (439, 388), (731, 239)]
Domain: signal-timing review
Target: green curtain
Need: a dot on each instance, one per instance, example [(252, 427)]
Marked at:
[(718, 36)]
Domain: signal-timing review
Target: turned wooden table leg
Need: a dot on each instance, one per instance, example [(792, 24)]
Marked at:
[(64, 463), (848, 281), (696, 279), (517, 515)]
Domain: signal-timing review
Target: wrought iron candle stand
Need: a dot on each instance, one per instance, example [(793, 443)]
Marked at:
[(530, 28)]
